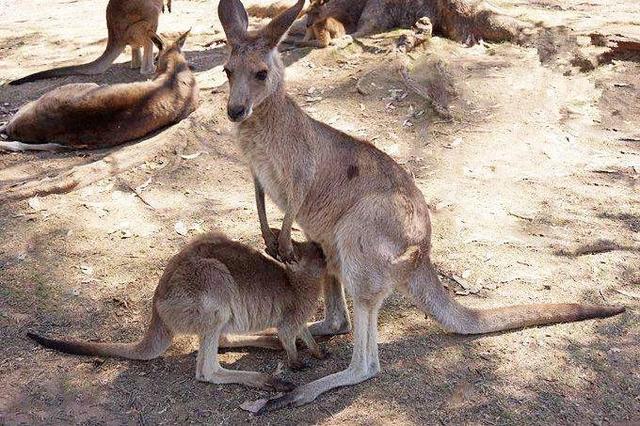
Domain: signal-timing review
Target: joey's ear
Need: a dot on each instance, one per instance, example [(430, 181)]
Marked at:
[(180, 41), (279, 25), (157, 40), (234, 19)]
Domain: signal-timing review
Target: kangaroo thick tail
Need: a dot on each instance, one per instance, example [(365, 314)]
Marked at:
[(427, 291), (98, 66), (155, 341)]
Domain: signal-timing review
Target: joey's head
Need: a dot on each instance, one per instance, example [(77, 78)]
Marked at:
[(311, 260), (169, 53), (254, 68)]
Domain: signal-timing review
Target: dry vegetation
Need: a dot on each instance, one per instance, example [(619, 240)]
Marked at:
[(533, 182)]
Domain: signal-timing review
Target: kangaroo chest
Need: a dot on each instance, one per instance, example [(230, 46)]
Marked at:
[(269, 165)]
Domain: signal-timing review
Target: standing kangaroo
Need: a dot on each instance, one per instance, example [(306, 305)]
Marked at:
[(85, 115), (361, 206), (128, 24), (216, 286)]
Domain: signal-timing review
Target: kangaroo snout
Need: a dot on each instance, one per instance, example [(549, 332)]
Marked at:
[(238, 112)]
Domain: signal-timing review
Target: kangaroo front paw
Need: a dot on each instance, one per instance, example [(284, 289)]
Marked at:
[(285, 252), (272, 249)]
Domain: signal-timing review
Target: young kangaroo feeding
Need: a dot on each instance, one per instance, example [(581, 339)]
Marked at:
[(357, 202), (128, 24), (85, 115), (216, 286)]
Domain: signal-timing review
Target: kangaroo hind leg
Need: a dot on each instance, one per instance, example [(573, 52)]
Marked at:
[(208, 368)]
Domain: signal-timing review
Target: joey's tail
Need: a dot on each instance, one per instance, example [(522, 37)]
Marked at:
[(430, 295), (155, 341), (98, 66)]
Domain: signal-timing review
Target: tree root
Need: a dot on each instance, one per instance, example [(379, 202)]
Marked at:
[(83, 175)]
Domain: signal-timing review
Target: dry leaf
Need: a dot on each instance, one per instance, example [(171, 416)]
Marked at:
[(191, 156), (86, 269), (35, 203), (139, 188), (279, 369), (181, 228), (253, 406)]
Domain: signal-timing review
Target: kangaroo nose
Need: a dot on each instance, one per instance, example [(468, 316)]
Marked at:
[(235, 112)]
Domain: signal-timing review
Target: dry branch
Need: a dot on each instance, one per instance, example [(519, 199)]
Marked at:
[(83, 175)]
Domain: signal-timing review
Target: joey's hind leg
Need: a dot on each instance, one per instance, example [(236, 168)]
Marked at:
[(136, 57), (208, 368), (147, 59), (250, 341), (311, 343), (287, 337)]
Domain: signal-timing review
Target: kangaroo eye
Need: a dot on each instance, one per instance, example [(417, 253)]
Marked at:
[(261, 75)]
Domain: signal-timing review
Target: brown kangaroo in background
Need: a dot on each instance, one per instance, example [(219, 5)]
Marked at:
[(327, 20), (458, 20), (128, 24), (354, 200), (216, 286), (86, 115)]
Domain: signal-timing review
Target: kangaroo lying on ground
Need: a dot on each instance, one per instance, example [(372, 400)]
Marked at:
[(357, 202), (128, 24), (328, 20), (216, 286), (85, 115), (460, 20)]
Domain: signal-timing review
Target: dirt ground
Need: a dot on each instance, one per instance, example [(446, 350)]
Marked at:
[(534, 186)]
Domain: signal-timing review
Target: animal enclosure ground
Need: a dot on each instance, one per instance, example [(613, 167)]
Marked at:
[(533, 185)]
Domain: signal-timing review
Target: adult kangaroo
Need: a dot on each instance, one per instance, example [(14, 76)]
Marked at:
[(361, 206), (128, 24), (85, 115)]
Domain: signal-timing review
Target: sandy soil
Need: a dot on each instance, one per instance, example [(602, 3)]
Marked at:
[(538, 170)]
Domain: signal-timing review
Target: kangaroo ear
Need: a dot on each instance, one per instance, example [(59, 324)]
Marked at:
[(279, 25), (234, 19), (181, 40), (157, 40)]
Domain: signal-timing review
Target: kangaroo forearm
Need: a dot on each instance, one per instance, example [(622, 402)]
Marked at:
[(260, 204)]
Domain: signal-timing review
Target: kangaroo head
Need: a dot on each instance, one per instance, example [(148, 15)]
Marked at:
[(168, 51), (254, 68), (311, 260), (316, 12)]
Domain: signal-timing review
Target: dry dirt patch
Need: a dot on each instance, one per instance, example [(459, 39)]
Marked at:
[(538, 160)]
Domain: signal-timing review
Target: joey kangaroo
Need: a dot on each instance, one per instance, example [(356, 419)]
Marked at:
[(461, 20), (216, 286), (354, 200), (128, 23), (328, 20), (85, 115)]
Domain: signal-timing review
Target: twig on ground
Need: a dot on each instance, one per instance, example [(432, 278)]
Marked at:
[(80, 176)]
